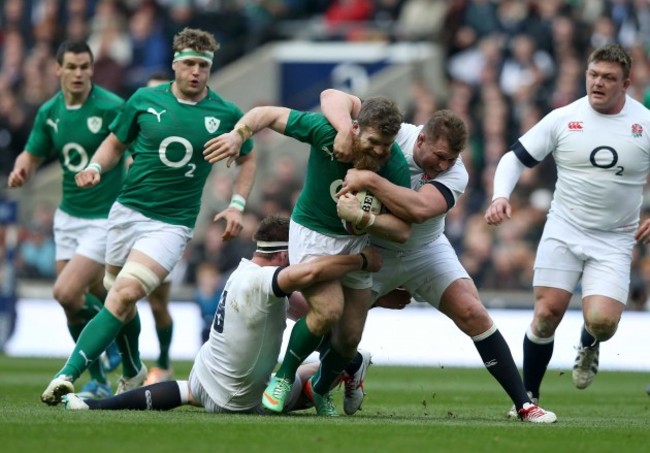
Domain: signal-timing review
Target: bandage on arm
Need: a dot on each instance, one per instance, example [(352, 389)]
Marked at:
[(506, 175)]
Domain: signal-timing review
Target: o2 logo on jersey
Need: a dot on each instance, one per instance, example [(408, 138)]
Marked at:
[(335, 186), (162, 151), (605, 157), (82, 158)]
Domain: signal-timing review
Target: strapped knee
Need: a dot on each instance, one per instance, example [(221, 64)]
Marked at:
[(109, 279), (138, 271)]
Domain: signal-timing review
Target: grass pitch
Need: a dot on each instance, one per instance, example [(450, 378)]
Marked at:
[(406, 410)]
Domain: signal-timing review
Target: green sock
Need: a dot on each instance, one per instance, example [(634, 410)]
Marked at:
[(92, 341), (332, 365), (127, 341), (95, 369), (301, 343), (165, 340), (92, 306)]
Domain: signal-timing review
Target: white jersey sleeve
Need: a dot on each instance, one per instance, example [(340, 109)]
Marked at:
[(506, 175), (452, 183), (602, 162), (236, 362)]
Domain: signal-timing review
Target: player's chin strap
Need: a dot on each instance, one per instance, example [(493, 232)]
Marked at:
[(272, 246)]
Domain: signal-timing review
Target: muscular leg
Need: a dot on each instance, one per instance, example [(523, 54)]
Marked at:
[(73, 281), (602, 315), (346, 336), (119, 311), (325, 307), (74, 278), (461, 303), (550, 306)]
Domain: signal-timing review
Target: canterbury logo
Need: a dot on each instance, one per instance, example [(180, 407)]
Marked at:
[(491, 363), (575, 125), (158, 115)]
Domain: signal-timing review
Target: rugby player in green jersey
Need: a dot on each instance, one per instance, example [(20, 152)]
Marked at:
[(71, 126), (153, 218), (159, 298), (338, 306)]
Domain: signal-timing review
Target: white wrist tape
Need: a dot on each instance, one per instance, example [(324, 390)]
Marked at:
[(94, 166), (238, 202)]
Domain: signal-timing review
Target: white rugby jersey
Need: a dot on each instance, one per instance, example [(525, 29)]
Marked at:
[(455, 179), (236, 362), (602, 162)]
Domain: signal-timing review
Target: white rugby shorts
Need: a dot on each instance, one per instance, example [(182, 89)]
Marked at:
[(160, 241), (74, 235), (306, 245), (567, 252), (425, 272)]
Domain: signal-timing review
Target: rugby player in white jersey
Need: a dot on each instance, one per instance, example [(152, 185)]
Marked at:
[(601, 148), (426, 265), (233, 367)]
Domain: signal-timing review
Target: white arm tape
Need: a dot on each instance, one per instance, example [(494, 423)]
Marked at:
[(506, 175)]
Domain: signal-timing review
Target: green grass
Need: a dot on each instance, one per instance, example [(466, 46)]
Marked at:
[(406, 410)]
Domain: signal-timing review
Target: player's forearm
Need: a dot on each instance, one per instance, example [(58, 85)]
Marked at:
[(322, 269), (506, 175), (259, 118), (391, 227), (109, 153), (405, 203), (247, 168), (27, 163), (339, 108)]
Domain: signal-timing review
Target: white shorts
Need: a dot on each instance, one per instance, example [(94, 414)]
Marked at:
[(568, 253), (74, 235), (200, 394), (160, 241), (425, 272), (306, 245)]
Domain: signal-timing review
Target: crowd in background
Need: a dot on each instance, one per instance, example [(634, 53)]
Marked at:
[(508, 62)]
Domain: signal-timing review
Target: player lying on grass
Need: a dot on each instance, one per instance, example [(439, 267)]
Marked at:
[(233, 367)]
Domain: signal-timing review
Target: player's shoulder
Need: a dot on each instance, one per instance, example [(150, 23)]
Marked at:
[(105, 98), (408, 129), (577, 107), (53, 102), (223, 103), (637, 109)]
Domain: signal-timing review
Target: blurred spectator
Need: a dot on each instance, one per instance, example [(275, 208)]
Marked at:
[(508, 63), (149, 45), (421, 19), (36, 250)]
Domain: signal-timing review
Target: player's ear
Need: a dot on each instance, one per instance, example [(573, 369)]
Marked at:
[(355, 127)]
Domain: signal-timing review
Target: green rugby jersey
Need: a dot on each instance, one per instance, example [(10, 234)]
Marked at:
[(316, 205), (166, 137), (73, 135)]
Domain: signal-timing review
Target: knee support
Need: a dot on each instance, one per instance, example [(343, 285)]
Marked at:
[(109, 279), (138, 271)]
